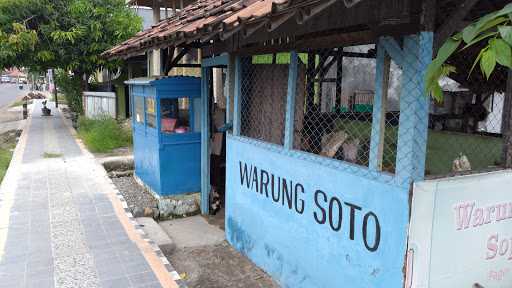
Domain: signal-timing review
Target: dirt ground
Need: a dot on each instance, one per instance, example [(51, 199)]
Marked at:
[(10, 114), (218, 266)]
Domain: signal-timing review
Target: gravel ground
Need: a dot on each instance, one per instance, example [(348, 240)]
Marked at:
[(134, 194)]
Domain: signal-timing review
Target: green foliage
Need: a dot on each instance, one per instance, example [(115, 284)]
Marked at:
[(66, 34), (69, 85), (495, 28), (104, 134)]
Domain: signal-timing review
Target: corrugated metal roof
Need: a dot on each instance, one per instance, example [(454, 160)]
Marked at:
[(205, 20)]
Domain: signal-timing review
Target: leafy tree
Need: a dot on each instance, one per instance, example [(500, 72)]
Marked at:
[(65, 34), (493, 31)]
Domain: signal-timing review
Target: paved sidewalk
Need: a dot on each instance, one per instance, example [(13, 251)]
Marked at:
[(59, 225)]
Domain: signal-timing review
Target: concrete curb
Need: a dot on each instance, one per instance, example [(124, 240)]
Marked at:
[(172, 273)]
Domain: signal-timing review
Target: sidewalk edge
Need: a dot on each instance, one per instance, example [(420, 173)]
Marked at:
[(121, 207)]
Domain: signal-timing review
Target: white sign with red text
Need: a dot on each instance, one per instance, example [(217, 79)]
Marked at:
[(460, 233)]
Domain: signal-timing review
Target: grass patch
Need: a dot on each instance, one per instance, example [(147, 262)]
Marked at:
[(5, 159), (442, 147), (103, 135), (51, 155), (7, 144), (19, 103)]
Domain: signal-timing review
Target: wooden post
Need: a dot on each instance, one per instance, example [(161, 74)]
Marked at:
[(205, 141), (339, 78), (310, 84), (155, 61), (290, 101), (507, 123), (414, 104), (379, 109), (231, 89), (237, 96), (321, 77)]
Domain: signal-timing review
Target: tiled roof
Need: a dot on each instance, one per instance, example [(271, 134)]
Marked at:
[(207, 20)]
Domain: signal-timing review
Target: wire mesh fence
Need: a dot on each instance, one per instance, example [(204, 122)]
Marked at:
[(466, 131), (263, 97), (335, 106)]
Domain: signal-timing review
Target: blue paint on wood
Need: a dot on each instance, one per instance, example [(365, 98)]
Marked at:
[(377, 107), (168, 163), (414, 105), (394, 50), (229, 81), (290, 101), (237, 96), (221, 60), (293, 247), (205, 141)]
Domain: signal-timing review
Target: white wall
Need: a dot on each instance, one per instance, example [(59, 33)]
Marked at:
[(99, 104), (457, 234)]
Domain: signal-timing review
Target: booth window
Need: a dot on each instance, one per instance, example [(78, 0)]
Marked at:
[(139, 109), (175, 115), (150, 112)]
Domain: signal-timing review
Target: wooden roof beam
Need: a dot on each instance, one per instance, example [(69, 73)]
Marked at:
[(453, 22)]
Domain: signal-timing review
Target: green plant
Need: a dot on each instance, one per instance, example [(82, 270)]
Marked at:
[(495, 28), (104, 134), (64, 34), (70, 87), (5, 159)]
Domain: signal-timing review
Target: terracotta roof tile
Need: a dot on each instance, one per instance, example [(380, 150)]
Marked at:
[(206, 19)]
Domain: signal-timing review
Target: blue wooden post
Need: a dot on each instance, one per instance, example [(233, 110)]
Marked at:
[(205, 145), (158, 120), (379, 108), (229, 79), (393, 50), (414, 106), (290, 101), (237, 95)]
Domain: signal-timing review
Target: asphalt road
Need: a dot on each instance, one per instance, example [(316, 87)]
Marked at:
[(9, 93)]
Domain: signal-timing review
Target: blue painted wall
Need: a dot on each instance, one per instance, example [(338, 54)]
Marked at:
[(180, 162), (146, 156), (300, 241), (293, 247)]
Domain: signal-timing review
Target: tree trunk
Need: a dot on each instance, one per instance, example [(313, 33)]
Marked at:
[(507, 124)]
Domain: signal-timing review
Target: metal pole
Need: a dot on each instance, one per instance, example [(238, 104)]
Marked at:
[(55, 89)]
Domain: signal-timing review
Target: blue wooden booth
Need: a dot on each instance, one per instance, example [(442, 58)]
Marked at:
[(167, 133)]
